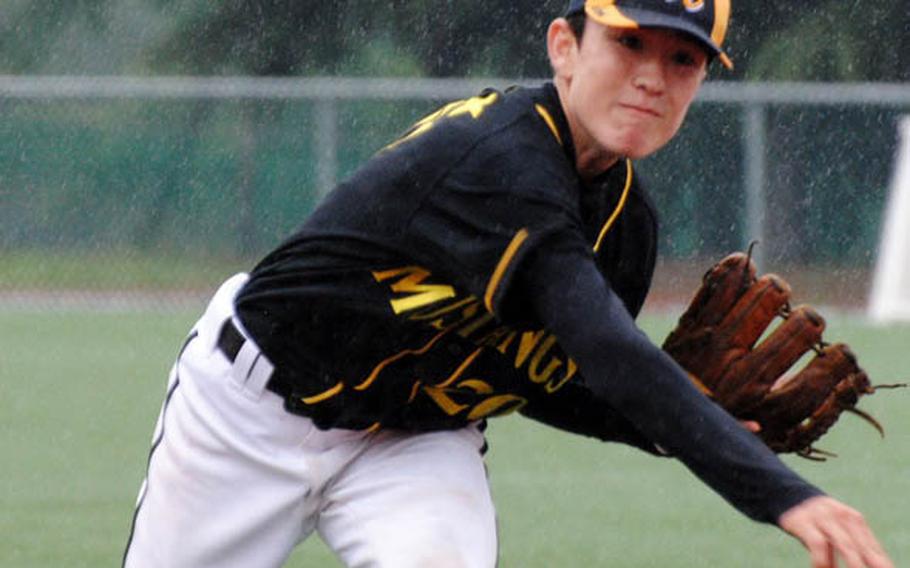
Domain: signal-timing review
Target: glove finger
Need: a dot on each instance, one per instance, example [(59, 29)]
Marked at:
[(754, 311), (696, 343), (747, 380), (741, 328), (721, 287), (845, 395), (794, 399)]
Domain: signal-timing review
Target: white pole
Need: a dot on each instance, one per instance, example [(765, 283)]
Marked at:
[(890, 298), (325, 142)]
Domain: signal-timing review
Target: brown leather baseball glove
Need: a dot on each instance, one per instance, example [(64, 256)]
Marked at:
[(715, 341)]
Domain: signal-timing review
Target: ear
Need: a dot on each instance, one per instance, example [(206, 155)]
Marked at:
[(562, 48)]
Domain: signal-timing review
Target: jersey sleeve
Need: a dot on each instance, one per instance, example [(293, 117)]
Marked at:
[(625, 371), (573, 409)]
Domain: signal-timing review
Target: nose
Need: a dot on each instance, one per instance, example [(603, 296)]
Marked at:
[(650, 76)]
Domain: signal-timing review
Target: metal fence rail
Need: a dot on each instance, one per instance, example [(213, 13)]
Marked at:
[(753, 100), (348, 88)]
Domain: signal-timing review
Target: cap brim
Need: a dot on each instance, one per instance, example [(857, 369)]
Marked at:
[(631, 18)]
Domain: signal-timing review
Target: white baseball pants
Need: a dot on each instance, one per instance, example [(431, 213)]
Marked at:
[(235, 481)]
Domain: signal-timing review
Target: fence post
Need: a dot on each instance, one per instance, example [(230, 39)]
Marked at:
[(754, 139), (326, 145)]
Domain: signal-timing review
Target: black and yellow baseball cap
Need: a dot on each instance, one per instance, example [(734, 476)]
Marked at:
[(705, 20)]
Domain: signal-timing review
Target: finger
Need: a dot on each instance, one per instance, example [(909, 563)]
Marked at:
[(751, 426), (854, 541), (830, 557), (821, 554), (829, 529), (870, 548), (839, 537)]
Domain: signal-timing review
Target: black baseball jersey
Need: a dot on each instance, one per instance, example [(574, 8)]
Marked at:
[(387, 306), (466, 271)]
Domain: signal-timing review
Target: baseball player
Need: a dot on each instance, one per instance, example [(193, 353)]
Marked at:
[(490, 260)]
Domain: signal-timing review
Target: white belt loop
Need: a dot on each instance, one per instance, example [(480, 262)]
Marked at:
[(220, 307), (251, 369)]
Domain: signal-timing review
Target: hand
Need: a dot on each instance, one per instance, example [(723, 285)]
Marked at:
[(751, 426), (830, 530)]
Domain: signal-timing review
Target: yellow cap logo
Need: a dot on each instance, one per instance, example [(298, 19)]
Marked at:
[(694, 5)]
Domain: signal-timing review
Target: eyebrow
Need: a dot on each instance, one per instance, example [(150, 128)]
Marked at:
[(693, 42), (688, 38)]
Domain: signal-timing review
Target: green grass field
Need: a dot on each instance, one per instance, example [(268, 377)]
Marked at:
[(79, 393)]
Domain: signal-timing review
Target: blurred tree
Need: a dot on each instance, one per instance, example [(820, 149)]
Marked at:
[(812, 39), (30, 31), (830, 41), (78, 37), (751, 23), (279, 37), (839, 41), (475, 37), (287, 37)]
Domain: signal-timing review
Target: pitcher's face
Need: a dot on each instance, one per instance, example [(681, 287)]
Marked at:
[(627, 91)]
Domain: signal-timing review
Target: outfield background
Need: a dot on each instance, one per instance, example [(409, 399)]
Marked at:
[(119, 215), (81, 390)]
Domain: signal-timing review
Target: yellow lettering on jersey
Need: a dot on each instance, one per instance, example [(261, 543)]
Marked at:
[(533, 369), (499, 339), (475, 106), (529, 341), (420, 294), (473, 326), (497, 406), (476, 385), (492, 405), (554, 386), (444, 401), (458, 318), (436, 313), (442, 317), (502, 347)]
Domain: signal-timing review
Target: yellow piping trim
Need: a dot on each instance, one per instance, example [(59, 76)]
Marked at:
[(477, 386), (378, 369), (501, 267), (619, 206), (542, 111), (324, 395), (375, 427), (700, 385)]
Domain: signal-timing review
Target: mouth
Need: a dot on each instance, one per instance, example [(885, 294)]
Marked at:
[(643, 110)]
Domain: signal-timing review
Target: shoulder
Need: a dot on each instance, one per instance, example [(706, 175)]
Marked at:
[(517, 147), (493, 124)]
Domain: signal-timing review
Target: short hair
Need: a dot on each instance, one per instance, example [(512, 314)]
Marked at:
[(577, 24)]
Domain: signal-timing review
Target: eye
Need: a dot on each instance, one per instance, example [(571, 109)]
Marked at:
[(631, 41), (685, 59)]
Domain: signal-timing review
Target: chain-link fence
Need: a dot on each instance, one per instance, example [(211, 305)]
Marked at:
[(127, 191)]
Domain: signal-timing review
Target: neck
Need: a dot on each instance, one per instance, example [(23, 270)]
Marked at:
[(590, 159), (591, 163)]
